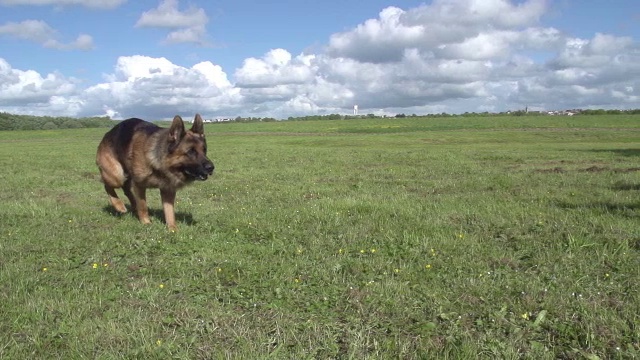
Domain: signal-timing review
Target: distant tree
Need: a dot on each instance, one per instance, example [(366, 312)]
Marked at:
[(50, 125), (5, 123), (71, 124)]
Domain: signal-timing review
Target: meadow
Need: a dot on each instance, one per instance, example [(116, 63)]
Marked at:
[(447, 238)]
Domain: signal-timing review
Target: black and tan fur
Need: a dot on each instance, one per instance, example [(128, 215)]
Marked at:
[(137, 155)]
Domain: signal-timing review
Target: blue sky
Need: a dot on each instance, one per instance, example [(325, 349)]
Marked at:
[(288, 58), (236, 30)]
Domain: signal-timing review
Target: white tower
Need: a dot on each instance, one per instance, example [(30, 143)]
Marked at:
[(355, 109)]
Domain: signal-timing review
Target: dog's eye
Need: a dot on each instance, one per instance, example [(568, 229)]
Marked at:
[(192, 152)]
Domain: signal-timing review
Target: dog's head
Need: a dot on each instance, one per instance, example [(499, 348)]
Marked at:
[(188, 149)]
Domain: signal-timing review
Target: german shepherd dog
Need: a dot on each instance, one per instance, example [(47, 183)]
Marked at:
[(137, 155)]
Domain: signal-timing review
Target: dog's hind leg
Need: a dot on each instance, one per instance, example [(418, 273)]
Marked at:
[(113, 177), (127, 191), (115, 201)]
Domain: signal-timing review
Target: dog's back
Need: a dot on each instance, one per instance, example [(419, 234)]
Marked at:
[(118, 141)]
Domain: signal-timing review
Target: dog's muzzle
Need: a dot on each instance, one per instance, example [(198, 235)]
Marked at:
[(202, 172), (207, 169)]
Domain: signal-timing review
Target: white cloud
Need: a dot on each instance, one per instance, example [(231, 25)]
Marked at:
[(34, 30), (471, 24), (98, 4), (156, 88), (82, 42), (479, 54), (449, 56), (40, 32), (277, 67), (194, 34), (27, 91), (187, 26), (140, 86), (168, 15), (489, 45), (378, 40)]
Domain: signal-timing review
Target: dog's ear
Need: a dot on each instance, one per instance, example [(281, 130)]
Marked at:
[(176, 131), (198, 125)]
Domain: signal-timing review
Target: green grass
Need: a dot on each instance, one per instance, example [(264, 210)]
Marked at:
[(409, 239)]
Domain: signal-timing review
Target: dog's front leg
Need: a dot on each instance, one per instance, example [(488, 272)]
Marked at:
[(168, 199)]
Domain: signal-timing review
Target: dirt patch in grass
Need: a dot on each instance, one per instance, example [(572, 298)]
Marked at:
[(555, 170), (604, 168), (591, 169), (628, 170), (596, 169)]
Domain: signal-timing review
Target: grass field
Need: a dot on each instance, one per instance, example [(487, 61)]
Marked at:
[(439, 238)]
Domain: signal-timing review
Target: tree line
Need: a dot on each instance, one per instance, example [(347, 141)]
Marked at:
[(465, 114), (31, 122)]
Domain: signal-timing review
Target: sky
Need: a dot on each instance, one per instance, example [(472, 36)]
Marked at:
[(154, 59)]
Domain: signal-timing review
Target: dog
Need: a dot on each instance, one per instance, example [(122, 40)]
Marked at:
[(137, 155)]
